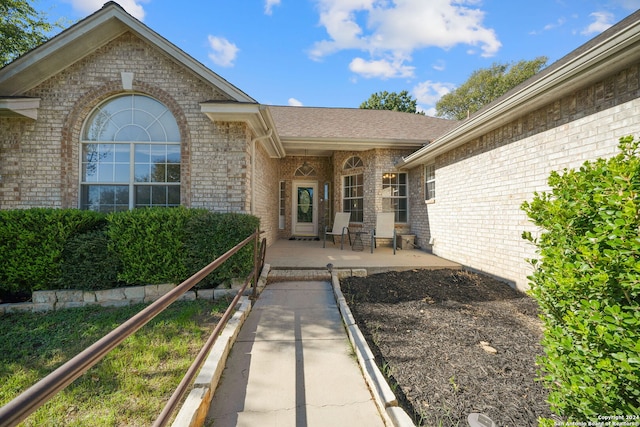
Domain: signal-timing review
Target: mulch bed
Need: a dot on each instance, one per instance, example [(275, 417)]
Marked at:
[(434, 333)]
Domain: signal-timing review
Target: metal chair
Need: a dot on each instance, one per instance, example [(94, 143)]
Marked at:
[(385, 229), (340, 227)]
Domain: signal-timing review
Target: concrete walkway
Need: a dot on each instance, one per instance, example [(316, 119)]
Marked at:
[(292, 365)]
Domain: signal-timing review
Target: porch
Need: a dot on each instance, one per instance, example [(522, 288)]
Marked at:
[(309, 254)]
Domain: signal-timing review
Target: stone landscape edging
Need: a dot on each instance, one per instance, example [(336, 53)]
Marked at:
[(384, 397), (43, 301)]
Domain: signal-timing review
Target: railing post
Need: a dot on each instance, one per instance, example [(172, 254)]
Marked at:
[(256, 263)]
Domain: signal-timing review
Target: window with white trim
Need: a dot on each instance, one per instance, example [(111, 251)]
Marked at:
[(353, 189), (353, 200), (394, 195), (430, 182), (130, 156)]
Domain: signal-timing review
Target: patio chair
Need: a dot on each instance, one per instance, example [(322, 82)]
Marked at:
[(340, 228), (385, 229)]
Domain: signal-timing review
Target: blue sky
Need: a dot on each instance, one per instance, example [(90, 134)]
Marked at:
[(336, 53)]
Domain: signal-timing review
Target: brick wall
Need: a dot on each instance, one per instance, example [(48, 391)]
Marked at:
[(39, 160), (476, 219), (266, 197)]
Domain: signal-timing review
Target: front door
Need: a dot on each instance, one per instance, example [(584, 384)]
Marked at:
[(305, 208)]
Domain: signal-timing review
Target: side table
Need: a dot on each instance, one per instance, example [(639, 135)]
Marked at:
[(358, 245)]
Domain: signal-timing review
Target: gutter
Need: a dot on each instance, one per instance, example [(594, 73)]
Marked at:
[(597, 61)]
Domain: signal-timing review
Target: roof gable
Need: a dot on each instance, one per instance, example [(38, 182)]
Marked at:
[(85, 37)]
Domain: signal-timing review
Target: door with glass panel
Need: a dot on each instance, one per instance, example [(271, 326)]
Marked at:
[(305, 208)]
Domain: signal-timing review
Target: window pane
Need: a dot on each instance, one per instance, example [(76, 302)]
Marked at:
[(143, 196), (143, 172), (173, 153), (159, 195), (105, 198), (394, 195), (142, 153), (173, 197), (173, 173)]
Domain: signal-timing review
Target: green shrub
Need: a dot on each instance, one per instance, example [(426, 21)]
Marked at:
[(88, 264), (587, 282), (209, 235), (31, 244), (149, 244)]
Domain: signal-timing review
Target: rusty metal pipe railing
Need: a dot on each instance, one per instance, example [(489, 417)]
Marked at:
[(30, 400), (182, 388)]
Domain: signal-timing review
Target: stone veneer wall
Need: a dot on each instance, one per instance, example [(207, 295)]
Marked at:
[(476, 219), (39, 160)]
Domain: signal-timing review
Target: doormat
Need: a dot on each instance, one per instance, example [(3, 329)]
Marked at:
[(304, 238)]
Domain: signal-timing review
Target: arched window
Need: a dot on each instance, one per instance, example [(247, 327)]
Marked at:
[(353, 162), (130, 156), (353, 189)]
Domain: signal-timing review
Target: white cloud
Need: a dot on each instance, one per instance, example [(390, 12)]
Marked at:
[(602, 21), (428, 93), (559, 22), (439, 65), (294, 102), (223, 52), (394, 29), (133, 7), (269, 4), (382, 68)]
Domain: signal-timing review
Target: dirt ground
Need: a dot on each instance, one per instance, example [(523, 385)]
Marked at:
[(452, 343)]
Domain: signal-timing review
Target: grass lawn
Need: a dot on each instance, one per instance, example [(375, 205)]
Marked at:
[(129, 387)]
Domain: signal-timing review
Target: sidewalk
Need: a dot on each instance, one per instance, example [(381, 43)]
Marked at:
[(292, 365)]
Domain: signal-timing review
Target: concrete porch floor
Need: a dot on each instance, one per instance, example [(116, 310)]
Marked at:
[(309, 254)]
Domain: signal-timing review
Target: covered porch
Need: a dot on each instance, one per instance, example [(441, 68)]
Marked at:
[(309, 254)]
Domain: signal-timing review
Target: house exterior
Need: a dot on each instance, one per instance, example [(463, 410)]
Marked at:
[(109, 115)]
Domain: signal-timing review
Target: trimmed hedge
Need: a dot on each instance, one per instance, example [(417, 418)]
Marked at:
[(32, 241), (69, 248), (212, 234), (587, 283)]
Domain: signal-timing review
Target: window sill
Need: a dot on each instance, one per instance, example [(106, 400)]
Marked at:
[(429, 202)]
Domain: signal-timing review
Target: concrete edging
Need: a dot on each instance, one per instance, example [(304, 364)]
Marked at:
[(384, 397), (196, 406)]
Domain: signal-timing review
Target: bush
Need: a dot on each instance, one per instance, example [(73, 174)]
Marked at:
[(56, 248), (209, 235), (88, 264), (149, 244), (31, 244), (587, 282)]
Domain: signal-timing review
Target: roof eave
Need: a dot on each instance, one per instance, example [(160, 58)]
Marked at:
[(256, 116), (20, 107), (615, 52)]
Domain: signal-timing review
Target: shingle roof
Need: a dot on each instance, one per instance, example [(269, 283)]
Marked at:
[(356, 124)]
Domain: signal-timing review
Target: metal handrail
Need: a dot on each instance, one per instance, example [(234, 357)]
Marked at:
[(37, 395)]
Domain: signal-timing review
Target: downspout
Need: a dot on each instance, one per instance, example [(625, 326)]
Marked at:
[(253, 167)]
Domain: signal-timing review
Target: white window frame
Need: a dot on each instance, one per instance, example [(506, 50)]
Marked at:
[(398, 192), (430, 181), (162, 132), (348, 199)]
